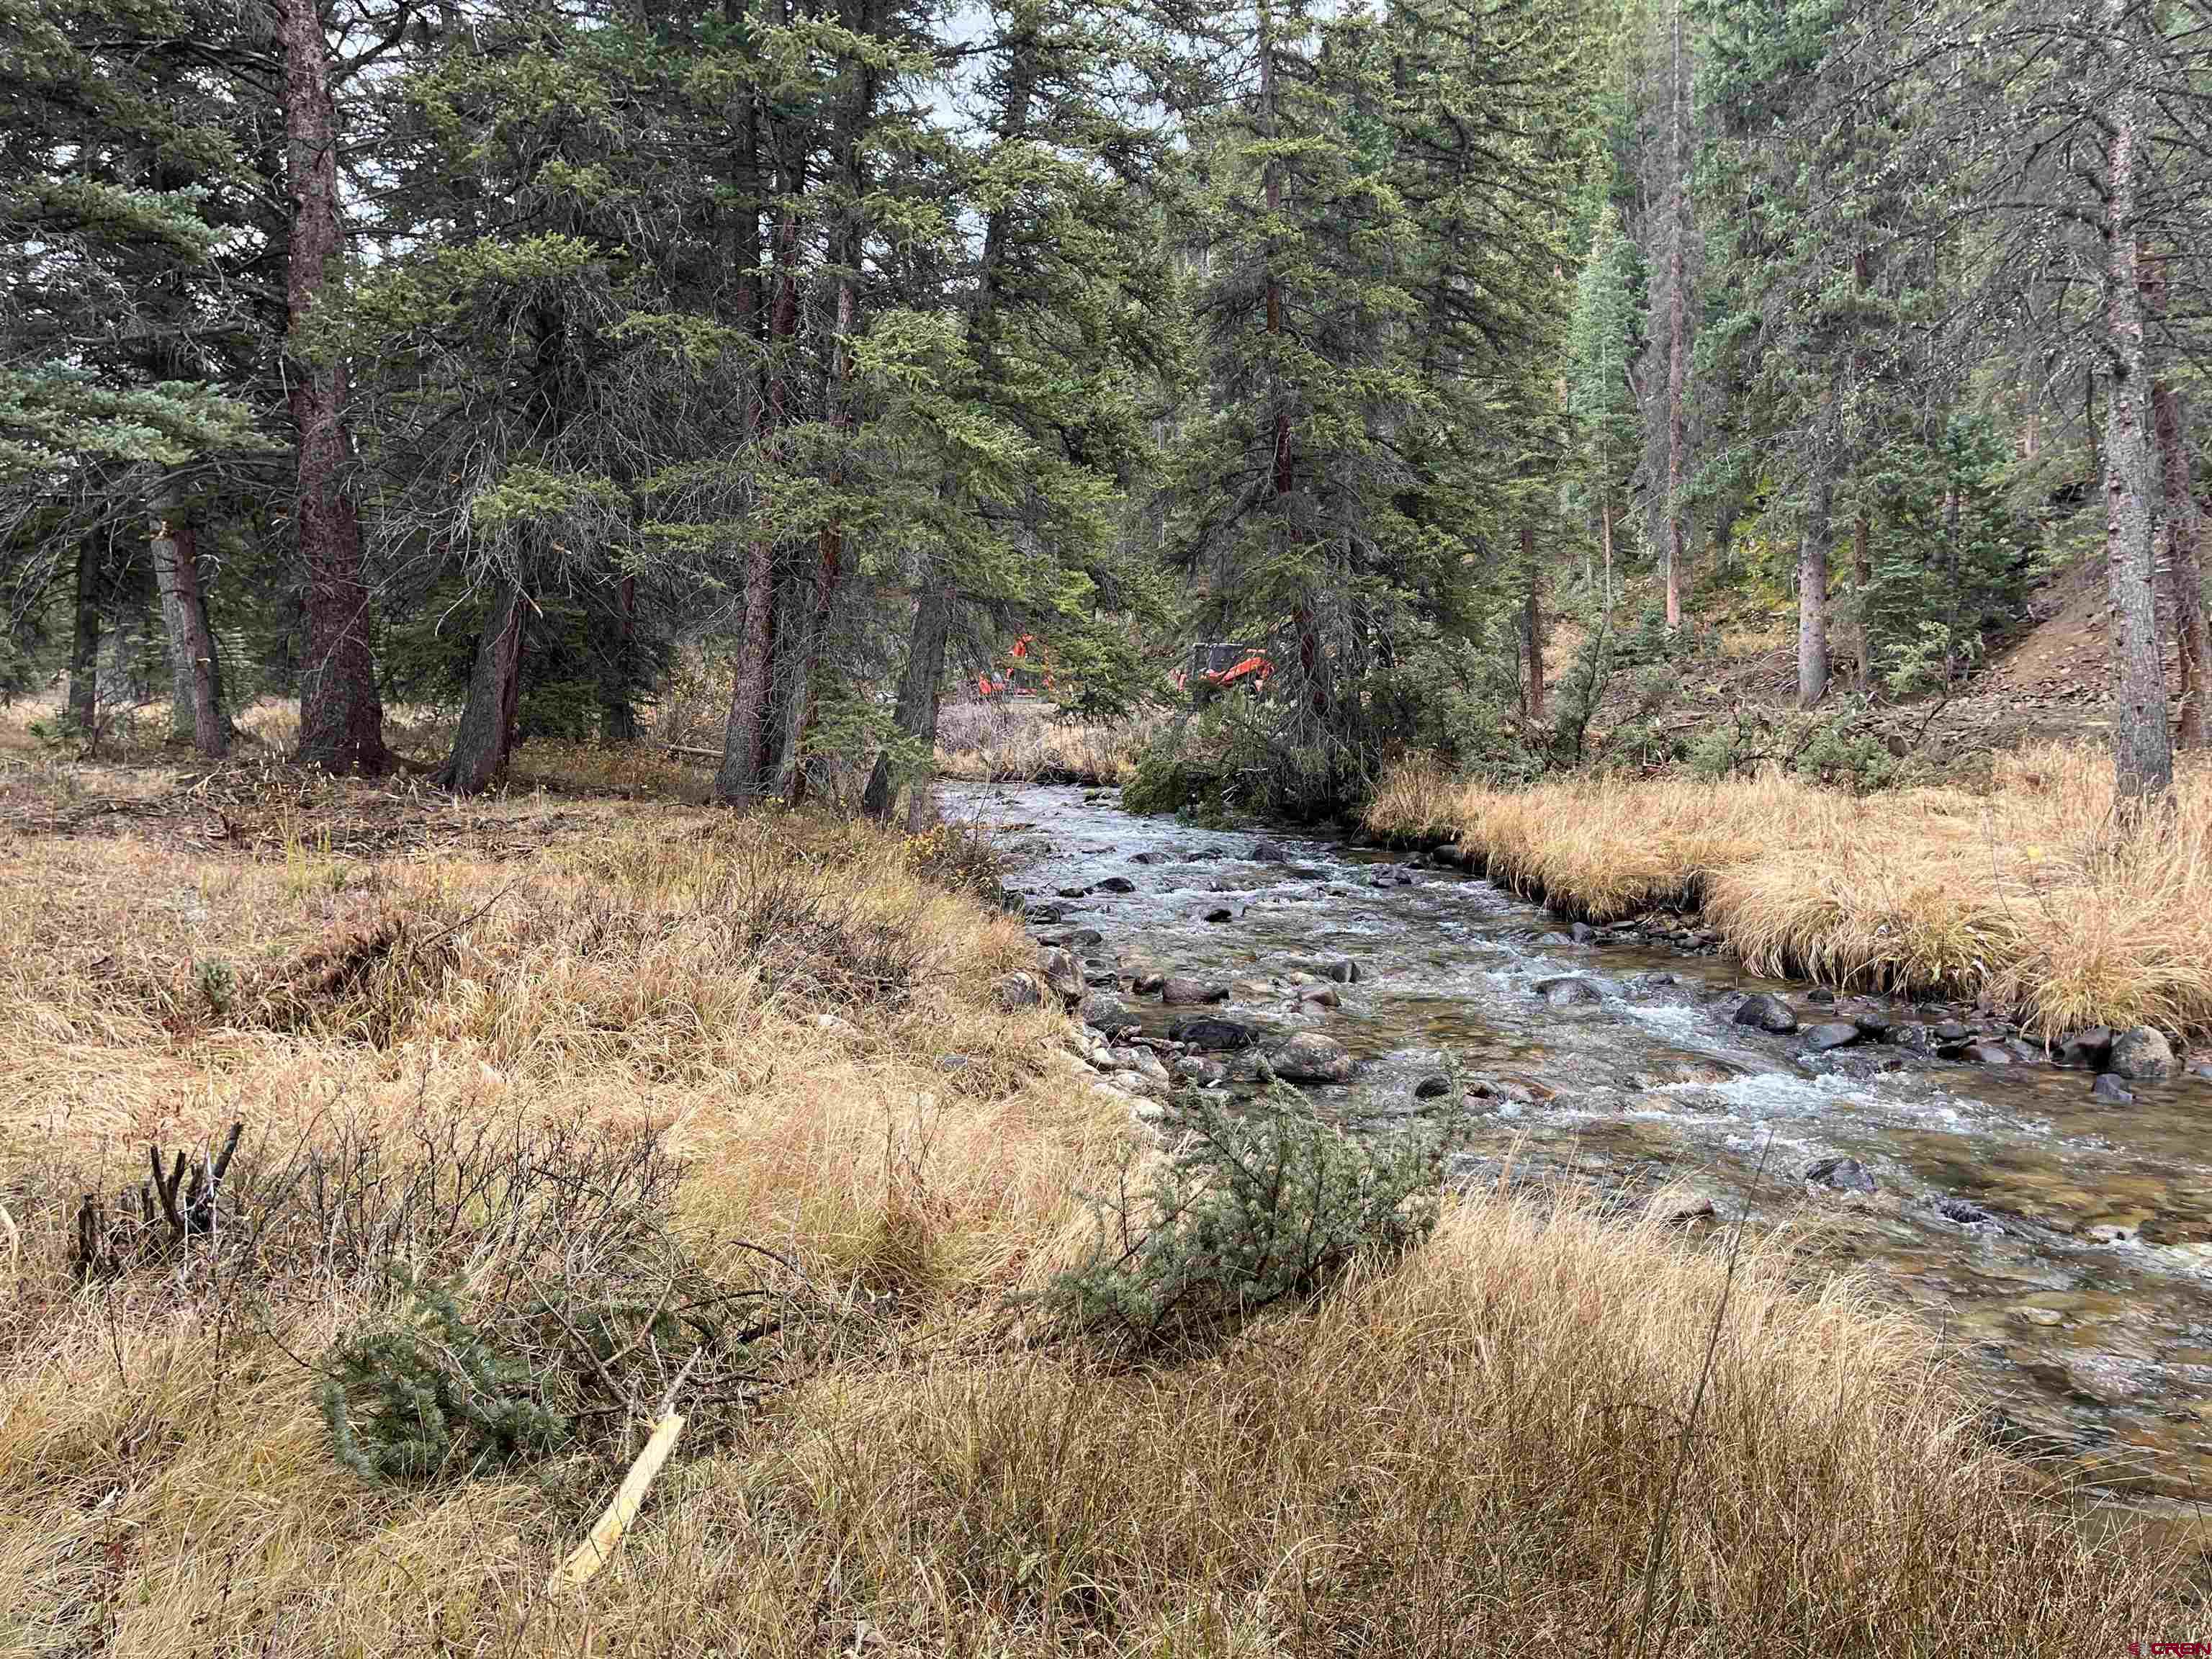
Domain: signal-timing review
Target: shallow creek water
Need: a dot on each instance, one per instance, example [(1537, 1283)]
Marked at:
[(2086, 1293)]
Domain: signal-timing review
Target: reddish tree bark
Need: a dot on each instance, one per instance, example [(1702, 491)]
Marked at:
[(2181, 575), (830, 552), (196, 698), (341, 716)]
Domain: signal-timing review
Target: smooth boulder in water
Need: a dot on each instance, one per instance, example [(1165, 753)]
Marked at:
[(1105, 1010), (2142, 1054), (1844, 1175), (1343, 970), (1567, 992), (1063, 974), (1768, 1012), (1117, 885), (1216, 1036), (2088, 1047), (1178, 991), (1871, 1022), (2110, 1089), (1830, 1034), (1309, 1057)]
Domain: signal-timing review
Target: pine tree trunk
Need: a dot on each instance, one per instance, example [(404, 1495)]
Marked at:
[(914, 716), (1605, 540), (1532, 626), (485, 737), (1951, 580), (2185, 571), (84, 645), (815, 615), (830, 553), (739, 778), (1282, 438), (618, 668), (2143, 747), (341, 716), (744, 736), (743, 731), (1677, 356), (196, 713), (1862, 596), (1676, 359), (2179, 575), (1862, 562), (1812, 596)]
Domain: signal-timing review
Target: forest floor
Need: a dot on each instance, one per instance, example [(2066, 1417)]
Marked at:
[(2047, 683), (1995, 872), (637, 1079)]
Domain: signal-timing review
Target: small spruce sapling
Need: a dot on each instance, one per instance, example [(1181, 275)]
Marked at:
[(1256, 1205)]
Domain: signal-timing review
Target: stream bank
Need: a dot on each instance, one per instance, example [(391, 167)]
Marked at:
[(2063, 1238)]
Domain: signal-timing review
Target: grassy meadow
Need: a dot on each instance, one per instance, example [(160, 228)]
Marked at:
[(747, 1072)]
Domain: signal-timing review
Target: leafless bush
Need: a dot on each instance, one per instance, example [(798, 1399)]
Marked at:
[(490, 1202), (980, 723), (814, 940)]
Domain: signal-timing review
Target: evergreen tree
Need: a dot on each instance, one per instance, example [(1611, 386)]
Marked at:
[(1369, 415), (1603, 338)]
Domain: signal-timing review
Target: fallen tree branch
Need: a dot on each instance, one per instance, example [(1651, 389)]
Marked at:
[(585, 1562)]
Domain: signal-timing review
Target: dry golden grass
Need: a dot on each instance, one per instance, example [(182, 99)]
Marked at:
[(1469, 1452), (2022, 895), (1024, 741)]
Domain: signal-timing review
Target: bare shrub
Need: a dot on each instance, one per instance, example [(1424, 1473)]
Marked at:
[(961, 856)]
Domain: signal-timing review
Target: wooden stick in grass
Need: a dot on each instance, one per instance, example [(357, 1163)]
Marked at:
[(598, 1548)]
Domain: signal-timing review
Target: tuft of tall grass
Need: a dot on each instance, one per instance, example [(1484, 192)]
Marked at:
[(2023, 895)]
